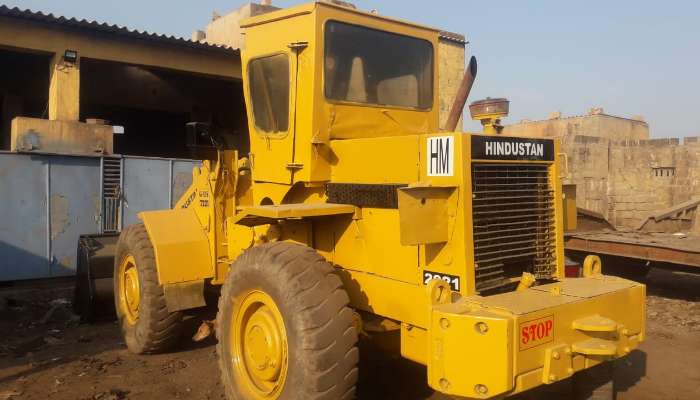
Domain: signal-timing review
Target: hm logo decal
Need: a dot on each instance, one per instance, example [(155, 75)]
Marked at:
[(440, 153)]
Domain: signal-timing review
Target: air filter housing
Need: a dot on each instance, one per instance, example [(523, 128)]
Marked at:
[(489, 108)]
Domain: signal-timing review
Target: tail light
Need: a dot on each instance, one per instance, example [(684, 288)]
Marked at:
[(572, 269)]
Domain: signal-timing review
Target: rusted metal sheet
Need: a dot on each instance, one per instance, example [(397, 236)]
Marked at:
[(47, 201), (669, 248)]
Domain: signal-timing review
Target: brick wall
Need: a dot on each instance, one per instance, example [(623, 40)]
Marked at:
[(588, 168), (618, 171), (599, 125), (628, 180)]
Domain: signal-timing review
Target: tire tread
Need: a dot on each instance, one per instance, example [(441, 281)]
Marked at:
[(157, 330), (327, 349)]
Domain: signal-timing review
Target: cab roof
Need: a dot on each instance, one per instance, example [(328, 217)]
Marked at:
[(308, 8)]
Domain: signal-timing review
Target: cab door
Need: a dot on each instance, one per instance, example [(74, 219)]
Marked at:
[(271, 81)]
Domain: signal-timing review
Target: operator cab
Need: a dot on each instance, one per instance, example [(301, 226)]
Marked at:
[(351, 74)]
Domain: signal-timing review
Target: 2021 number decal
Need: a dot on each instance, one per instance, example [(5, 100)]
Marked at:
[(452, 280)]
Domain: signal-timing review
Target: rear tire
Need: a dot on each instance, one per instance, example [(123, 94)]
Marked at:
[(595, 383), (146, 324), (284, 327)]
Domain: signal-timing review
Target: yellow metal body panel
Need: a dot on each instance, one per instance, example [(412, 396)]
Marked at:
[(180, 244), (554, 177), (462, 357), (570, 213), (387, 297), (418, 205), (414, 343), (369, 244), (496, 328), (356, 160)]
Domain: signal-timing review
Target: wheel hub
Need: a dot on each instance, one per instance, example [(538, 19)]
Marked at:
[(129, 289), (259, 345)]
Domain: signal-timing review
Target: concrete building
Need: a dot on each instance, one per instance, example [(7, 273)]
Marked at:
[(57, 73), (594, 123), (225, 29), (618, 169)]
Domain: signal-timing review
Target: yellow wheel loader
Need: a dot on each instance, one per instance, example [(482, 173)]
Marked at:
[(354, 212)]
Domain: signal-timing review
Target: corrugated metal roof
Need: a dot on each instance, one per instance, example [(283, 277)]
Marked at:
[(101, 27), (454, 37)]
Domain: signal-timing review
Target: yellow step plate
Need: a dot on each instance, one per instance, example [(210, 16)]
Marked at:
[(595, 347), (595, 323), (260, 215)]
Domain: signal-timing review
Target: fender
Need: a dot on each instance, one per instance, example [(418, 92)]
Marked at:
[(182, 252)]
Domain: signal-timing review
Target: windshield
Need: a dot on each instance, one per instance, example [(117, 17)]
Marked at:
[(364, 65)]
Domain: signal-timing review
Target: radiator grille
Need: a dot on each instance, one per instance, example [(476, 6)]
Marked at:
[(513, 214), (111, 181)]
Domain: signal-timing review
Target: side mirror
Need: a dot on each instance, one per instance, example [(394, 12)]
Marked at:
[(198, 135)]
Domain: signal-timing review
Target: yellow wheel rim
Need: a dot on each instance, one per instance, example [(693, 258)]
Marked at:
[(258, 345), (129, 289)]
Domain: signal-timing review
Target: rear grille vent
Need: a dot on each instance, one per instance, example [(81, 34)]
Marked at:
[(364, 195), (513, 214), (111, 193)]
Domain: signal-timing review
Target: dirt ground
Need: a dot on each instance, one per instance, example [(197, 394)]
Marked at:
[(51, 355)]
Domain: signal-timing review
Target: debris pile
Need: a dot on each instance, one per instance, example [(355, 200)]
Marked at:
[(674, 313)]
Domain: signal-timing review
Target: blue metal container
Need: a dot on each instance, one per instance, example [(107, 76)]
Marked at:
[(47, 201)]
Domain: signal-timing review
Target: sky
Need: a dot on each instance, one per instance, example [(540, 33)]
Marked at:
[(629, 57)]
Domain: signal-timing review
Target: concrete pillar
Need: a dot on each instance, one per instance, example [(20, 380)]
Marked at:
[(64, 90), (451, 59)]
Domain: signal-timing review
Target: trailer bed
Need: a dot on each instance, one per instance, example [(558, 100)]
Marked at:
[(674, 248)]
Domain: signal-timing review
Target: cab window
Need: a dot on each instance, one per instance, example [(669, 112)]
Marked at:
[(364, 65), (269, 92)]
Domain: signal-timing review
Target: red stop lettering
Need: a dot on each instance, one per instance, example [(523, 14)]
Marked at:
[(536, 332), (524, 336)]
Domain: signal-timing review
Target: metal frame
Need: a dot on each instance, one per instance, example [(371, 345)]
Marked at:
[(642, 251)]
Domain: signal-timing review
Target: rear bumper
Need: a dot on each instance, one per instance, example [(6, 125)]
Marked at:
[(482, 347)]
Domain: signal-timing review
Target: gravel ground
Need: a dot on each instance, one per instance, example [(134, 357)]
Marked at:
[(45, 353)]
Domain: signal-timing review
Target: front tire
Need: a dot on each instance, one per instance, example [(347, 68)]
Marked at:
[(284, 327), (146, 324)]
